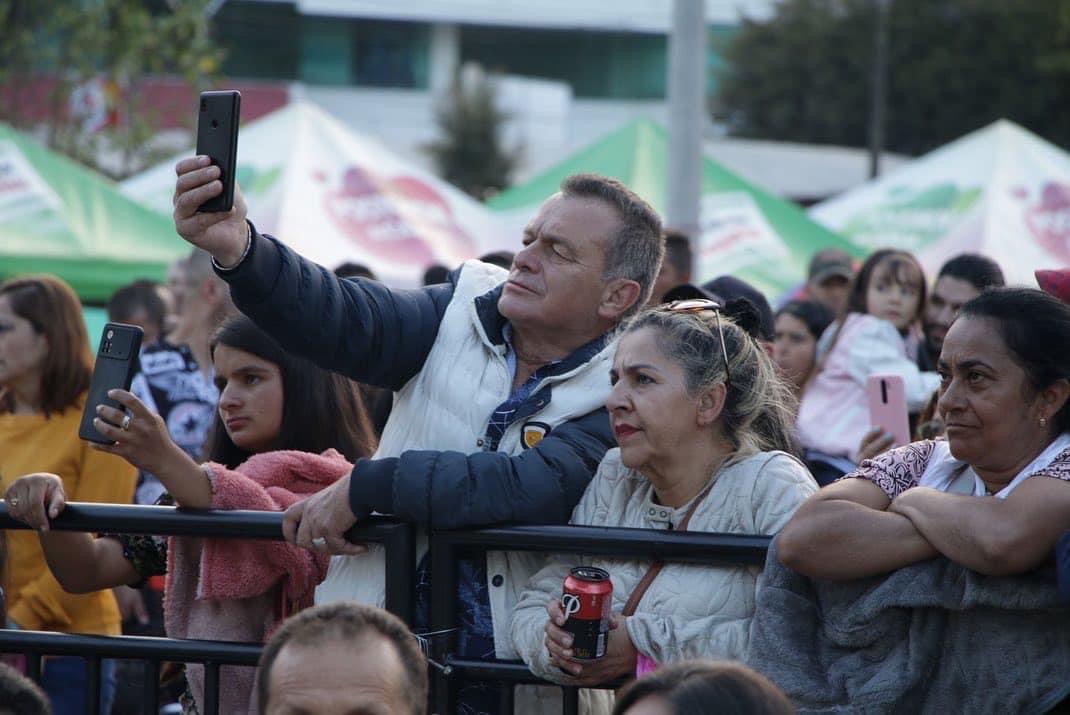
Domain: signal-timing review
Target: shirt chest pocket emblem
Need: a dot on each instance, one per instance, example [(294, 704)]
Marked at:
[(533, 432)]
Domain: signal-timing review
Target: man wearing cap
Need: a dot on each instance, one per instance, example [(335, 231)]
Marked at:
[(829, 278)]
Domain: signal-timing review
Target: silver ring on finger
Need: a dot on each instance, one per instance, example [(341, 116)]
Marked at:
[(125, 423), (319, 542)]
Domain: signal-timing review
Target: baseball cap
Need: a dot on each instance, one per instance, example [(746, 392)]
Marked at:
[(830, 262)]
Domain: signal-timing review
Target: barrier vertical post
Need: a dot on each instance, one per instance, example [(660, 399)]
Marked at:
[(443, 613), (211, 688), (149, 687), (400, 546), (92, 685)]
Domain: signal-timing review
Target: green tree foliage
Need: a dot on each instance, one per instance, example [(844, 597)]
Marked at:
[(470, 152), (953, 66), (114, 41)]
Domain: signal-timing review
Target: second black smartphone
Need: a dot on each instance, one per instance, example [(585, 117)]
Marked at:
[(117, 362), (217, 138)]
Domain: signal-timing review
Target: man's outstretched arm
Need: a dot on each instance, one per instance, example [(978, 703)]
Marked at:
[(361, 329)]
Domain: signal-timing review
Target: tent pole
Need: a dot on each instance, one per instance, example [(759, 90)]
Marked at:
[(687, 113)]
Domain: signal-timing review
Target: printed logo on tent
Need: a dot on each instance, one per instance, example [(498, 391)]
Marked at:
[(399, 218), (734, 234), (25, 198), (1048, 217), (912, 218)]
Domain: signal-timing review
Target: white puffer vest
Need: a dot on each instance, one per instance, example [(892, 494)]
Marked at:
[(446, 407)]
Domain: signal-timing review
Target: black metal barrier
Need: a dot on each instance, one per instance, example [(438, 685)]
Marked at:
[(396, 537), (447, 547)]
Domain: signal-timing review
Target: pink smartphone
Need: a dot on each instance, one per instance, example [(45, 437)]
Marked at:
[(888, 406)]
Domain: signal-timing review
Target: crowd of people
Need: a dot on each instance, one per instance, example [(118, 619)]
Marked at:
[(584, 379)]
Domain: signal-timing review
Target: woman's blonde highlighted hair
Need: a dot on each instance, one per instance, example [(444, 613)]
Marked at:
[(759, 409)]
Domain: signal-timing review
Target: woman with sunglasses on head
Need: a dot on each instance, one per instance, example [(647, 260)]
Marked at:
[(704, 427), (284, 429)]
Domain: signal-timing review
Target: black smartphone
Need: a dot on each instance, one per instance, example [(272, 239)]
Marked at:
[(217, 138), (117, 362)]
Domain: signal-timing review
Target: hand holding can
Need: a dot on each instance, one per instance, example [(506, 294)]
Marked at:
[(587, 602)]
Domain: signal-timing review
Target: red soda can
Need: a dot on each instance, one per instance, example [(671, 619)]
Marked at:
[(587, 600)]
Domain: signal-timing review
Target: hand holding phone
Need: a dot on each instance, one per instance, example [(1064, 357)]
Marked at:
[(887, 399), (117, 362), (217, 138)]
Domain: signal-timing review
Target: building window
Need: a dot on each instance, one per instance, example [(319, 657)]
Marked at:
[(608, 65), (390, 54), (260, 40)]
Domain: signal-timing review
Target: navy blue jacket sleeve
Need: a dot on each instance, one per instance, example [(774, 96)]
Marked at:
[(356, 327), (1062, 566), (450, 490)]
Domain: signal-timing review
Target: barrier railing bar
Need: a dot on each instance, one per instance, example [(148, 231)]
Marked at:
[(704, 548), (511, 671), (397, 537), (128, 647), (211, 688), (92, 684), (176, 521)]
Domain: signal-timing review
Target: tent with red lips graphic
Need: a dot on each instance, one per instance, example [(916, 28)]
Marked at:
[(743, 230), (1000, 191), (334, 195)]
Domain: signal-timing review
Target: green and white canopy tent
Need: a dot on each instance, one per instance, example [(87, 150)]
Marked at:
[(335, 195), (1000, 191), (744, 231), (59, 217)]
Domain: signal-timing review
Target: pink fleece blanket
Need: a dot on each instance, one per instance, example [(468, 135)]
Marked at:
[(231, 589)]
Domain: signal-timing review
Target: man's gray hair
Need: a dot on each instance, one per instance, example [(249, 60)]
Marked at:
[(635, 251)]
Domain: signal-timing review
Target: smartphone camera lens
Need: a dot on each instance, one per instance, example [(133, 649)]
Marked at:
[(111, 334), (215, 124)]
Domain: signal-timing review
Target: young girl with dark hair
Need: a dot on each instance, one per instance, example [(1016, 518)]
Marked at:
[(884, 303), (284, 429)]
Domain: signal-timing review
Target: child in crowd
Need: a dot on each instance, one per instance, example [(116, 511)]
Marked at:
[(885, 301), (279, 422)]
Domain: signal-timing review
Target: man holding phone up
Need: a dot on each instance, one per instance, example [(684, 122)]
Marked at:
[(500, 378)]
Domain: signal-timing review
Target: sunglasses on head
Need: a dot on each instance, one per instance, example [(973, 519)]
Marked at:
[(702, 305)]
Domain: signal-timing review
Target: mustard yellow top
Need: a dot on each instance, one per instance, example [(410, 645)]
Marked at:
[(32, 443)]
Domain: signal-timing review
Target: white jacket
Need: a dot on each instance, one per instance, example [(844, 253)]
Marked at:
[(446, 407), (688, 611)]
